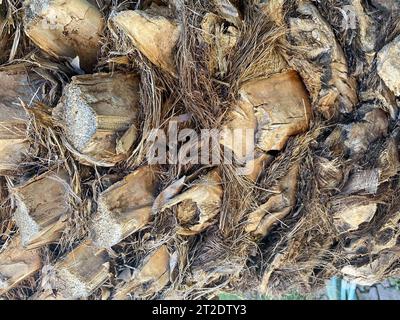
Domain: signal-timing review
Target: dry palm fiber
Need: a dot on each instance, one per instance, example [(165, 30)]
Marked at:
[(319, 89)]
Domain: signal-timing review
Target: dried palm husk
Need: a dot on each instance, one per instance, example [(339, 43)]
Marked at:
[(355, 138), (274, 9), (17, 264), (20, 87), (124, 208), (278, 206), (229, 11), (372, 272), (337, 89), (311, 243), (65, 29), (221, 39), (98, 114), (43, 205), (389, 161), (282, 108), (274, 109), (384, 239), (81, 271), (198, 207), (152, 276), (168, 193), (243, 119), (386, 236), (351, 213), (153, 33), (367, 30), (387, 65)]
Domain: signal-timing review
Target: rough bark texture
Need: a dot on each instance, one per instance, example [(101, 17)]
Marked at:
[(281, 107), (337, 91), (312, 88), (201, 203), (151, 277), (388, 68)]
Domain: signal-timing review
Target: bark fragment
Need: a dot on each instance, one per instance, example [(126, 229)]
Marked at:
[(389, 161), (268, 112), (274, 9), (150, 278), (383, 239), (239, 132), (352, 215), (367, 32), (337, 90), (372, 272), (281, 106), (152, 34), (355, 138), (65, 28), (278, 206), (366, 181), (18, 84)]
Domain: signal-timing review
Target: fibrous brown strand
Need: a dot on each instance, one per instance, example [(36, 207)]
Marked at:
[(190, 149)]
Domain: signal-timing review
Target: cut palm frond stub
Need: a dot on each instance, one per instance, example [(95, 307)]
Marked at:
[(65, 29), (147, 31), (17, 264), (124, 208), (20, 86), (81, 272), (43, 205), (96, 112)]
